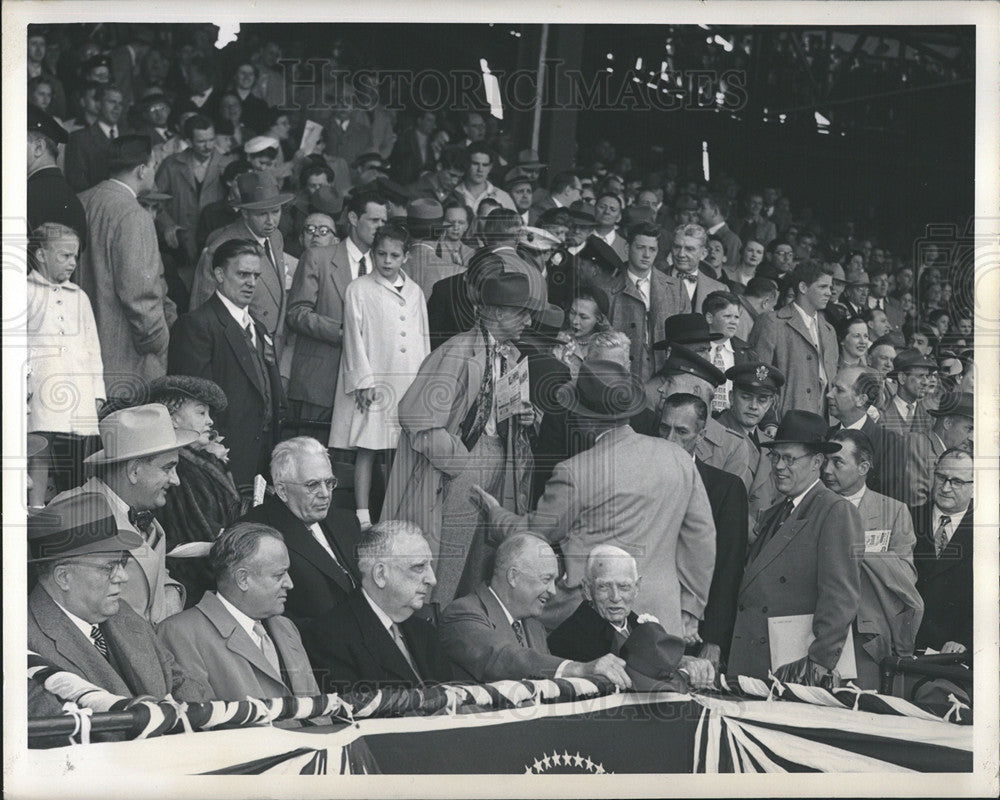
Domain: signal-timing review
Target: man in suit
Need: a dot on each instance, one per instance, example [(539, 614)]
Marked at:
[(692, 282), (878, 297), (799, 341), (193, 179), (320, 538), (905, 413), (954, 422), (852, 393), (755, 225), (89, 149), (855, 296), (890, 608), (373, 639), (640, 492), (944, 558), (759, 297), (122, 273), (76, 618), (316, 312), (411, 155), (607, 215), (50, 198), (236, 639), (563, 192), (493, 634), (223, 342), (683, 422), (714, 222), (803, 561), (260, 212)]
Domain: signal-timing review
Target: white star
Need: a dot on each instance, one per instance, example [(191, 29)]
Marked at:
[(577, 759)]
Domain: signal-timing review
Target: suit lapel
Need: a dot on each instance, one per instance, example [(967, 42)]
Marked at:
[(378, 641), (237, 639), (796, 323), (789, 529), (340, 269), (238, 343), (957, 550)]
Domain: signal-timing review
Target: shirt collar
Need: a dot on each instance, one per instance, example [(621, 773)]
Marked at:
[(36, 277), (954, 516), (856, 497), (503, 608), (241, 315), (131, 191), (802, 313), (716, 227), (245, 622), (106, 128), (798, 498), (383, 282), (858, 424), (353, 252), (635, 277), (384, 618), (259, 239), (84, 626)]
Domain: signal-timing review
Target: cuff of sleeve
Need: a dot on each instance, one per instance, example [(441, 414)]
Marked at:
[(561, 668)]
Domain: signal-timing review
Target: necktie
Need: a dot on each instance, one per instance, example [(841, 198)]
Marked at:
[(771, 529), (97, 637), (518, 627), (909, 411), (114, 132), (642, 287), (363, 266), (267, 647), (251, 339), (719, 399), (270, 254), (142, 520), (940, 537), (397, 637)]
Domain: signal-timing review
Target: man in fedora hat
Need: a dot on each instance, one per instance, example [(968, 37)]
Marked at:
[(133, 471), (855, 295), (518, 184), (224, 341), (803, 563), (425, 262), (641, 493), (77, 621), (452, 437), (260, 211), (953, 426), (906, 413)]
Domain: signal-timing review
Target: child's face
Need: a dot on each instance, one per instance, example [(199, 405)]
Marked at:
[(389, 258)]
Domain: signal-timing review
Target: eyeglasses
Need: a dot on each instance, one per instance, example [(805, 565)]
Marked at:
[(322, 230), (623, 588), (314, 486), (786, 460), (108, 568), (944, 480)]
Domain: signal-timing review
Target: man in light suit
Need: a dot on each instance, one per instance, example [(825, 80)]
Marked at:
[(692, 284), (122, 273), (260, 212), (133, 472), (316, 313), (890, 608), (89, 149), (225, 343), (373, 639), (493, 634), (76, 618), (804, 561), (799, 341), (954, 421), (320, 538), (640, 493), (235, 639)]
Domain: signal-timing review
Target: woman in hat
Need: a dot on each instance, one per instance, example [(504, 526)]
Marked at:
[(852, 337), (207, 499), (588, 315)]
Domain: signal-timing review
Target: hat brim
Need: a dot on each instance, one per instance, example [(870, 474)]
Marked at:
[(184, 438), (643, 683), (265, 205), (820, 447), (958, 411), (568, 397), (126, 539), (666, 344)]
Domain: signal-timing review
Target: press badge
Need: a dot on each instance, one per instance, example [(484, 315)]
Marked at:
[(877, 541)]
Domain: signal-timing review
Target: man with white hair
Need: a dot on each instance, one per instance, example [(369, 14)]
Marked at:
[(493, 634), (320, 537), (373, 639)]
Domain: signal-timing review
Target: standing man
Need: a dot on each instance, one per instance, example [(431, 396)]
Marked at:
[(953, 426), (316, 313), (260, 212), (688, 253), (607, 215), (906, 413), (121, 270), (799, 341), (223, 342), (563, 192), (890, 608), (89, 149), (714, 222), (755, 225), (803, 561), (236, 640), (476, 186), (50, 198)]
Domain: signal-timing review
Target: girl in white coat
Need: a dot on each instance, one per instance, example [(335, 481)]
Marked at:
[(386, 337)]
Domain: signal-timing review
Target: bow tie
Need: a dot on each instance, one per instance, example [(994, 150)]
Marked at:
[(142, 520), (689, 277)]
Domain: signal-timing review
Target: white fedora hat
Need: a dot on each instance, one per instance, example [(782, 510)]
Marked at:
[(137, 432)]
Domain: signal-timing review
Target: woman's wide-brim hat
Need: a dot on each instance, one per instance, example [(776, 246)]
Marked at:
[(137, 432), (603, 390), (805, 428), (200, 389)]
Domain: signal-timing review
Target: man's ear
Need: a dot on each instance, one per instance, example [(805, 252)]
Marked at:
[(378, 575)]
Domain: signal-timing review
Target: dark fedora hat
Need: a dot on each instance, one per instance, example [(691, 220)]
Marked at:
[(545, 326), (516, 176), (200, 389), (955, 404), (685, 329), (44, 124), (582, 211), (258, 191), (651, 659), (681, 359), (602, 254), (327, 200), (509, 289), (912, 359), (805, 428), (529, 158), (77, 524), (604, 390)]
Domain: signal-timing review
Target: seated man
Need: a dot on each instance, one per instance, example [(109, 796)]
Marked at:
[(605, 620), (372, 640), (76, 618), (492, 634), (320, 538), (235, 639)]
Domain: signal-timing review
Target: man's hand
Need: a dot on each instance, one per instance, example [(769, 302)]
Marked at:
[(807, 672), (700, 672), (712, 653), (953, 647), (484, 499), (611, 667), (170, 237), (690, 623)]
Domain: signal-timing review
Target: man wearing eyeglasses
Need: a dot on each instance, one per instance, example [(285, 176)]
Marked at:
[(320, 537), (76, 618), (943, 555), (804, 562)]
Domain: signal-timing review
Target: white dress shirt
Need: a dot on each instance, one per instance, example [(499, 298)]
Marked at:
[(241, 315), (904, 412), (798, 498), (384, 618), (856, 498), (84, 626), (354, 256), (510, 621), (954, 518), (245, 622), (641, 283)]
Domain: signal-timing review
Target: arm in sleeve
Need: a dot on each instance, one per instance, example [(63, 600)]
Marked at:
[(302, 316), (75, 166), (138, 276), (840, 543), (183, 665), (358, 372), (164, 219), (556, 511), (730, 554), (696, 548), (191, 349)]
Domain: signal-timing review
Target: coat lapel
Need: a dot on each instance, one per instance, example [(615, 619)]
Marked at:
[(789, 529), (378, 641), (237, 639), (956, 551), (299, 538), (795, 323), (238, 343), (340, 269)]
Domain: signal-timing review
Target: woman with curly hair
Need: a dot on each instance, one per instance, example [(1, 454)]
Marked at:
[(587, 315)]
